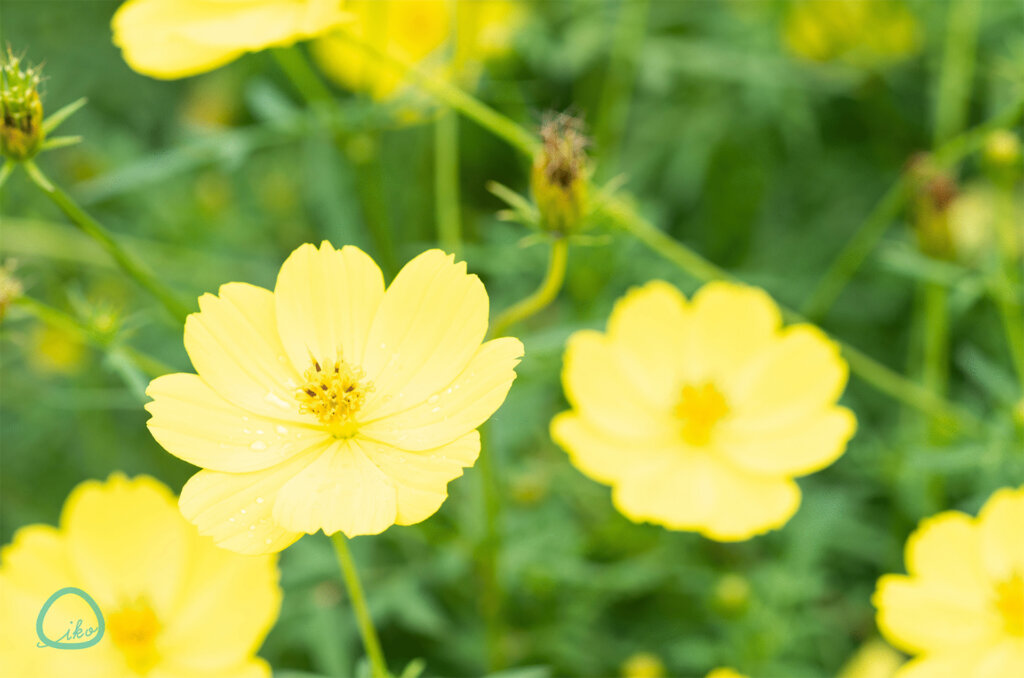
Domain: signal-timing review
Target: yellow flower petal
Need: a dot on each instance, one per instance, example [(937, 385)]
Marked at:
[(953, 663), (731, 324), (234, 346), (697, 491), (339, 490), (325, 301), (235, 509), (1006, 660), (1001, 525), (427, 328), (807, 446), (945, 551), (421, 478), (457, 408), (173, 668), (195, 424), (598, 387), (144, 555), (648, 329), (921, 617), (600, 455), (36, 559), (221, 590), (798, 375)]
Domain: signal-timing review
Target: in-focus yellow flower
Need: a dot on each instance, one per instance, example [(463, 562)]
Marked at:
[(416, 31), (329, 403), (178, 38), (960, 609), (859, 32), (874, 659), (173, 604), (699, 413), (725, 672)]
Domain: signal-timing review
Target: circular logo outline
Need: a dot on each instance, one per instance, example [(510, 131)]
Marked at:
[(56, 644)]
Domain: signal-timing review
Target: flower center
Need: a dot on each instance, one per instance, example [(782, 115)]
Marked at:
[(699, 409), (1010, 602), (134, 629), (333, 393)]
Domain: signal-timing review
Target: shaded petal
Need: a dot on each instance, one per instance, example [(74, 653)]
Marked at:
[(126, 539), (601, 455), (596, 385), (421, 479), (801, 448), (228, 604), (959, 663), (195, 424), (325, 301), (945, 550), (452, 412), (428, 327), (340, 490), (696, 491), (1001, 525), (234, 347), (731, 323), (798, 375), (923, 617), (650, 329), (235, 509)]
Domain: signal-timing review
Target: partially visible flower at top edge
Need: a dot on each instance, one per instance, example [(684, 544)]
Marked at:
[(331, 403), (171, 39), (725, 672), (172, 603), (959, 610), (21, 108), (699, 413), (559, 179), (447, 38), (860, 33)]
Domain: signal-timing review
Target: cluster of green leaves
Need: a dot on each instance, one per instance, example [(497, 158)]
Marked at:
[(763, 163)]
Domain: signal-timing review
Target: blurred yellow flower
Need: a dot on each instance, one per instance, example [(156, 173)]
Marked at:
[(55, 350), (178, 38), (643, 665), (173, 604), (700, 413), (858, 32), (961, 607), (329, 403), (416, 31), (874, 659), (725, 672)]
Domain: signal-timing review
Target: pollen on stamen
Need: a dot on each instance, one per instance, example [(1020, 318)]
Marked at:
[(333, 392)]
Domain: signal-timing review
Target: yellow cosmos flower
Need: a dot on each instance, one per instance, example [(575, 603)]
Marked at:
[(329, 403), (416, 31), (858, 32), (643, 665), (874, 659), (725, 672), (173, 604), (178, 38), (700, 413), (961, 607)]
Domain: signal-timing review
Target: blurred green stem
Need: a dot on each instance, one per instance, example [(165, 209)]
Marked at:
[(957, 69), (128, 263), (446, 180), (935, 354), (378, 666), (870, 232), (1007, 284), (542, 296)]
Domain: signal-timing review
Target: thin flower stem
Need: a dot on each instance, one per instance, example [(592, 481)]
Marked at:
[(446, 181), (935, 353), (1006, 286), (542, 296), (378, 666), (128, 263), (957, 69), (302, 76)]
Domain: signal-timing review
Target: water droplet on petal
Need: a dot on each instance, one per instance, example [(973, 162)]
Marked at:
[(432, 399), (282, 430), (259, 500), (258, 445)]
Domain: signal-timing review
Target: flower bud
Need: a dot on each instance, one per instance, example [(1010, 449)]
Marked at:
[(560, 176), (21, 110), (932, 193)]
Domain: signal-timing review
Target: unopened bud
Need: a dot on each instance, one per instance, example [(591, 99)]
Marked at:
[(560, 175), (932, 192), (21, 110)]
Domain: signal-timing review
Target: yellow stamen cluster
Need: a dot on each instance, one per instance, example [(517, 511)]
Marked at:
[(333, 393), (134, 629), (1010, 602), (699, 409)]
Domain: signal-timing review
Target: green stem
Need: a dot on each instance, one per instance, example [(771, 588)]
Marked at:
[(542, 296), (1007, 284), (957, 69), (378, 666), (446, 181), (491, 594), (128, 263), (302, 76), (935, 354)]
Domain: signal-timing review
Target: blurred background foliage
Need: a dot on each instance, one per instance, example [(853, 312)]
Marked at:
[(761, 133)]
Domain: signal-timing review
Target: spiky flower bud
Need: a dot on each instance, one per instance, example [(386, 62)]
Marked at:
[(559, 180), (21, 109)]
